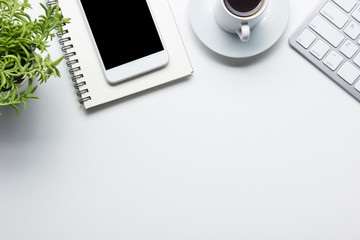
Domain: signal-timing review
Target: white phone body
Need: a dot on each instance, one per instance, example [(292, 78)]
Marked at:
[(126, 37)]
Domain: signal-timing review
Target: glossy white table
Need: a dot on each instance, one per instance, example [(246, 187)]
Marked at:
[(265, 148)]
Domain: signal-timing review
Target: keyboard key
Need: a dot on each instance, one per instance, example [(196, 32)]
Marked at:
[(357, 86), (352, 30), (356, 14), (327, 31), (334, 15), (357, 60), (347, 5), (319, 49), (306, 38), (348, 49), (333, 60), (349, 72)]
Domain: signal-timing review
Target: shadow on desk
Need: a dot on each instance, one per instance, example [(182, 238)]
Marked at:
[(101, 107), (211, 55)]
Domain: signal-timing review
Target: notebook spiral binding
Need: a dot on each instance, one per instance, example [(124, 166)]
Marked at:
[(70, 53)]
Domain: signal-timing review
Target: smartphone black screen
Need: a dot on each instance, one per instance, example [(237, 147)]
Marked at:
[(123, 30)]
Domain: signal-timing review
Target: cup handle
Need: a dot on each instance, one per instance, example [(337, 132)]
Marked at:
[(244, 32)]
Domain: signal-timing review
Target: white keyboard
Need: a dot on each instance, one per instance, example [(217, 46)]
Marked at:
[(330, 39)]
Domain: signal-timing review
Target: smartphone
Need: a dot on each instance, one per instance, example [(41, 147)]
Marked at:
[(126, 37)]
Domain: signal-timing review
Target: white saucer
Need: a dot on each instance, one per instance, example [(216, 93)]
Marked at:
[(263, 35)]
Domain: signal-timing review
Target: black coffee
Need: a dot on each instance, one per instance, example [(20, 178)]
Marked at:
[(243, 7)]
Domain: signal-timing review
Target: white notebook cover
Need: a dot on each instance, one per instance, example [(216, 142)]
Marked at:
[(94, 85)]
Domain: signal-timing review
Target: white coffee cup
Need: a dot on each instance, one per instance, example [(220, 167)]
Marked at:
[(239, 17)]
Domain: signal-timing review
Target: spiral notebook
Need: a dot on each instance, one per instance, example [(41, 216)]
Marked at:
[(85, 66)]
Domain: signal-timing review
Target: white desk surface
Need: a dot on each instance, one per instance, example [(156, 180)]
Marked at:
[(260, 149)]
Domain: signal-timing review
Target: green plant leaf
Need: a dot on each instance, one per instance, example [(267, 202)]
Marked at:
[(23, 40)]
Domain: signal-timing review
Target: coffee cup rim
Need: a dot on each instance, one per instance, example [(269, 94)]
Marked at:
[(253, 15)]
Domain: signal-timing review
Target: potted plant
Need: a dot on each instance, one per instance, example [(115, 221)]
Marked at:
[(23, 50)]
